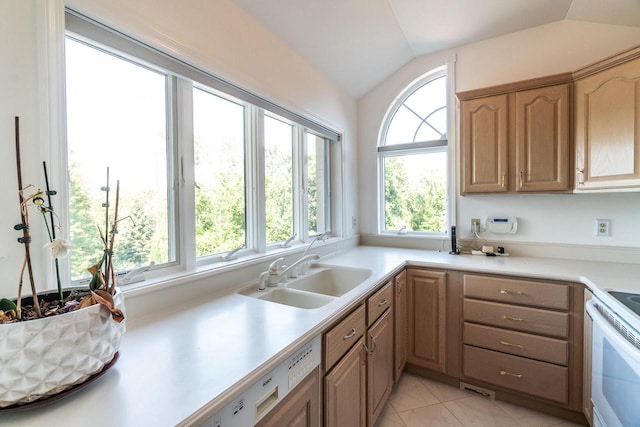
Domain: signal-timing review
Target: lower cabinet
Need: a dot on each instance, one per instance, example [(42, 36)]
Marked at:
[(345, 390), (380, 367), (427, 319), (300, 408), (359, 362), (524, 335)]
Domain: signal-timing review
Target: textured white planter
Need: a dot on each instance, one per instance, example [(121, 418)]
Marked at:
[(43, 357)]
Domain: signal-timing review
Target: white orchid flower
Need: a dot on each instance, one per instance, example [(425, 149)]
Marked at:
[(59, 248)]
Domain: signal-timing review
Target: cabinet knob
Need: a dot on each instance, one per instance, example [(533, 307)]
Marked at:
[(521, 178), (508, 292), (580, 173)]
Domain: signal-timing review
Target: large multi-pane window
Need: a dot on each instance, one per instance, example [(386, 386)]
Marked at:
[(260, 172), (117, 120), (413, 160)]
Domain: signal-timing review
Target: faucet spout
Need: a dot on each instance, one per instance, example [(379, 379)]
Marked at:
[(273, 276)]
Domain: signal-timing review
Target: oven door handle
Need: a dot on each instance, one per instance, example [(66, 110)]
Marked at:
[(611, 333)]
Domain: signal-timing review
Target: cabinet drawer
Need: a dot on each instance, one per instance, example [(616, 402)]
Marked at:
[(379, 302), (518, 343), (525, 319), (525, 292), (342, 336), (517, 373)]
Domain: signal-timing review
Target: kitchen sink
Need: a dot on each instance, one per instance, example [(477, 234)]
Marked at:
[(321, 285), (333, 281), (295, 298)]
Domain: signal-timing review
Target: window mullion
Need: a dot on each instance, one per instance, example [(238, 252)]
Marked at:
[(303, 182), (255, 181), (183, 180)]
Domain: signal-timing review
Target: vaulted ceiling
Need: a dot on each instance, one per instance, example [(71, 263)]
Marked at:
[(358, 43)]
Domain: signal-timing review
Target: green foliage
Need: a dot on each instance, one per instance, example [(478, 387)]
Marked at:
[(134, 240), (419, 205), (278, 194), (139, 241), (83, 232), (220, 214)]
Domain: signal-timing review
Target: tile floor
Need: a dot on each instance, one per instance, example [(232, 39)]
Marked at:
[(420, 402)]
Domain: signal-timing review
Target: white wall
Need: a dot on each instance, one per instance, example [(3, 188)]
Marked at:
[(216, 35), (548, 49)]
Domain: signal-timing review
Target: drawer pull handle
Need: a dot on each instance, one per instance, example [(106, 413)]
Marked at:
[(515, 319), (505, 373), (350, 335), (508, 292), (507, 343), (383, 302)]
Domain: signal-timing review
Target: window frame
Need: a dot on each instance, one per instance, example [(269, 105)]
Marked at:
[(422, 147)]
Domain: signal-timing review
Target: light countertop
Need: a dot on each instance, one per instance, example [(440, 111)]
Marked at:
[(183, 365)]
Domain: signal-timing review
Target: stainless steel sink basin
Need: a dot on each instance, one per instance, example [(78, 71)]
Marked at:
[(333, 281), (321, 285)]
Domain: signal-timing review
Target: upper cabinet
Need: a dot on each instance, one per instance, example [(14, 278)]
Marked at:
[(515, 138), (607, 102), (484, 157)]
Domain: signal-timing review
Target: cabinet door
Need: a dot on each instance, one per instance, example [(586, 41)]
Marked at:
[(484, 145), (380, 367), (608, 128), (426, 298), (400, 325), (542, 139), (345, 390), (301, 408)]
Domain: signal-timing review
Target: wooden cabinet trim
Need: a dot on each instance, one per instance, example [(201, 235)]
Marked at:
[(609, 62), (506, 88)]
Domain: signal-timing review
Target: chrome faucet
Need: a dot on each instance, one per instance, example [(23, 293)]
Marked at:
[(273, 276)]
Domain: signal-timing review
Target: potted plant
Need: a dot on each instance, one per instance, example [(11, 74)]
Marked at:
[(52, 342)]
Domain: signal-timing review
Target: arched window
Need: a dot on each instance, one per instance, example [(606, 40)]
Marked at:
[(413, 159)]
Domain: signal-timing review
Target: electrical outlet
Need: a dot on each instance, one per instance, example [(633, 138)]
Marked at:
[(475, 225), (354, 222), (603, 228)]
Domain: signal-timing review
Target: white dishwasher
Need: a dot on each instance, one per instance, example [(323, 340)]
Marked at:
[(255, 402)]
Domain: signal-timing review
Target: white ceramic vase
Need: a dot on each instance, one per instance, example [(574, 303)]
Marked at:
[(43, 357)]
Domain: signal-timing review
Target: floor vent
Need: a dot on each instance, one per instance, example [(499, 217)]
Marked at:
[(478, 390)]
